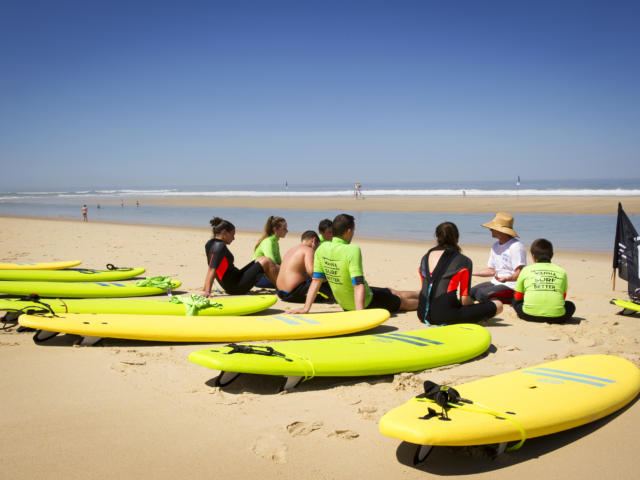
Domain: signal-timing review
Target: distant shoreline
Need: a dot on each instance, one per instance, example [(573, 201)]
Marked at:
[(513, 205)]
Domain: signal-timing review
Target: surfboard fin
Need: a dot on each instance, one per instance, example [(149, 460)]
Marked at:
[(289, 383), (422, 452), (88, 341), (43, 335), (225, 378)]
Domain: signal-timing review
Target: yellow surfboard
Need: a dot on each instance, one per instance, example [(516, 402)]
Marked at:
[(379, 354), (224, 305), (82, 289), (629, 307), (169, 328), (526, 403), (39, 266)]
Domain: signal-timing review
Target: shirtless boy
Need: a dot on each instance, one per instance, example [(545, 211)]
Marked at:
[(296, 270)]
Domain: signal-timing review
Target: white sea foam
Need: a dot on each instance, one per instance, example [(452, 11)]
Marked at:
[(382, 192)]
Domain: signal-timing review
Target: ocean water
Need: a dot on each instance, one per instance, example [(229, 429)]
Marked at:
[(591, 187), (567, 232)]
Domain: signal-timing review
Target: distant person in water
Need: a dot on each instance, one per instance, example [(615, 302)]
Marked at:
[(234, 281), (507, 258), (541, 288), (325, 227), (268, 246), (340, 263), (445, 271), (85, 217), (296, 271)]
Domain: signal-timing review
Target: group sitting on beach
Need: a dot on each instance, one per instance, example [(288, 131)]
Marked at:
[(327, 267)]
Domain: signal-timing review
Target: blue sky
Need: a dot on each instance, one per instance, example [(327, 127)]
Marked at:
[(251, 92)]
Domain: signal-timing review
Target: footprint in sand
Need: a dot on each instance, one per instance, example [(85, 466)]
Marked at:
[(344, 434), (368, 412), (270, 448), (297, 429)]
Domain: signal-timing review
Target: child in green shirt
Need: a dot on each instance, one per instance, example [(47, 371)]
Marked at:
[(541, 288)]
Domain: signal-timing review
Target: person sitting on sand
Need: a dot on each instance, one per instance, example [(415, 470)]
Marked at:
[(541, 288), (268, 246), (220, 260), (340, 263), (326, 230), (508, 257), (443, 271), (296, 270)]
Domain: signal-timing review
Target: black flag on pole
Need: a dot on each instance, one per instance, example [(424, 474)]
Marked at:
[(626, 252)]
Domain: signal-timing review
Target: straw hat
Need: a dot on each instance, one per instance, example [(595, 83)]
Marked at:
[(502, 222)]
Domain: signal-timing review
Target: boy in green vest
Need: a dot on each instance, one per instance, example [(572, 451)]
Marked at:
[(541, 288)]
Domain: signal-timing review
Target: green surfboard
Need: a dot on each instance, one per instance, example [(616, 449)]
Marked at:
[(71, 275), (381, 354), (233, 305), (81, 289)]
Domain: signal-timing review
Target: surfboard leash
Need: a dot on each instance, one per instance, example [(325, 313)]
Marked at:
[(271, 352), (447, 397)]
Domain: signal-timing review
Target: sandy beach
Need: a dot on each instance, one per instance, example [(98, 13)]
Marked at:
[(572, 205), (129, 409)]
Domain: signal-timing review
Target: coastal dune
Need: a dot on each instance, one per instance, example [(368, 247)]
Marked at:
[(129, 409)]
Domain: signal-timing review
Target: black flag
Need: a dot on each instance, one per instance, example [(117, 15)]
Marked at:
[(626, 251)]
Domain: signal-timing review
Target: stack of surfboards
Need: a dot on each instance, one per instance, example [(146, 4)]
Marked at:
[(56, 280)]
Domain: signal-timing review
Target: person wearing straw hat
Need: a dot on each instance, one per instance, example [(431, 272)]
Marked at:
[(507, 258)]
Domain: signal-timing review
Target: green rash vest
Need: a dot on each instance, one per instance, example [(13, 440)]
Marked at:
[(269, 247), (341, 263), (544, 286)]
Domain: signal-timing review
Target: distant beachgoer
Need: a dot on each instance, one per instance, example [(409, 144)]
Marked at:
[(325, 229), (541, 288), (464, 194), (98, 206), (85, 218), (296, 271), (220, 261), (356, 190), (268, 246), (137, 203), (340, 263), (122, 203), (444, 271), (508, 257)]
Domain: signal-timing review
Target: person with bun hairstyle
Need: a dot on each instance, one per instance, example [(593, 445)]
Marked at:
[(444, 271), (234, 281), (269, 246)]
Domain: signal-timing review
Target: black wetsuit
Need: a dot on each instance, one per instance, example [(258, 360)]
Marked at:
[(234, 281), (438, 301), (299, 294)]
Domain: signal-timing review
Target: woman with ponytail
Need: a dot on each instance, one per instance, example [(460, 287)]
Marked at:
[(234, 281), (269, 246)]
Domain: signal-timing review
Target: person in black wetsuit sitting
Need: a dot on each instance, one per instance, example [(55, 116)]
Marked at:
[(220, 260), (444, 271)]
